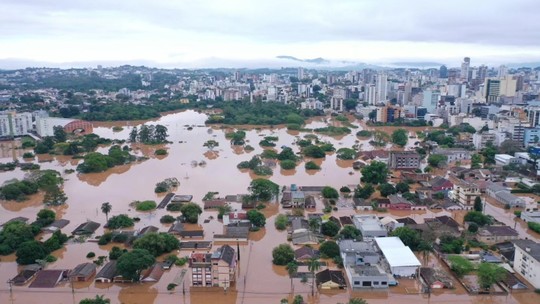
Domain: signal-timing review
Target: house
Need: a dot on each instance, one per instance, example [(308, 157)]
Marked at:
[(195, 245), (107, 273), (396, 202), (86, 228), (346, 220), (214, 204), (234, 217), (531, 216), (147, 229), (512, 282), (369, 225), (404, 160), (354, 253), (466, 192), (390, 223), (527, 261), (362, 204), (201, 269), (56, 225), (415, 177), (435, 279), (496, 234), (367, 276), (21, 219), (502, 195), (304, 238), (330, 279), (214, 269), (439, 184), (298, 199), (400, 259), (406, 221), (176, 228), (375, 155), (190, 234), (82, 272), (234, 232), (310, 202), (298, 224), (305, 253), (152, 274), (453, 154), (49, 278), (26, 274)]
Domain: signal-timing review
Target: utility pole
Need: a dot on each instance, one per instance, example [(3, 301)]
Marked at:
[(10, 287)]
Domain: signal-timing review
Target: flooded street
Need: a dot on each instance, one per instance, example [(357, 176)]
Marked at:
[(258, 281)]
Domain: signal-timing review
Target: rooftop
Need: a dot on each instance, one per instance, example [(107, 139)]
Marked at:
[(396, 253), (367, 222), (531, 247)]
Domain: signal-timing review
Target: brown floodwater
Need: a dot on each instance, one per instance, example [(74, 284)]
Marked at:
[(199, 171)]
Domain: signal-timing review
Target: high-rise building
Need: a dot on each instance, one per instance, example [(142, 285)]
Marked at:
[(15, 124), (465, 66), (443, 72), (431, 98), (300, 74), (370, 95), (482, 73), (381, 87), (492, 89), (503, 71)]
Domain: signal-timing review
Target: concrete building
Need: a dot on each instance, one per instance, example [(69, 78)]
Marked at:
[(370, 226), (531, 216), (381, 87), (480, 140), (531, 136), (400, 258), (356, 253), (465, 193), (453, 154), (15, 124), (496, 234), (502, 195), (365, 276), (527, 260), (465, 67), (505, 159), (430, 100), (404, 160), (216, 269)]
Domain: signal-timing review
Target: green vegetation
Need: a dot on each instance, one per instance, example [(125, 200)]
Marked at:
[(145, 205), (460, 266), (478, 204), (120, 221), (166, 185), (329, 228), (269, 154), (478, 217), (386, 189), (408, 236), (350, 232), (310, 165), (90, 255), (399, 137), (263, 189), (329, 249), (451, 244), (174, 207), (131, 264), (97, 300), (167, 219), (237, 138), (149, 134), (333, 131), (256, 218), (281, 222), (282, 255), (160, 152), (45, 180), (211, 144), (402, 187), (346, 153), (345, 189), (97, 162), (157, 243), (116, 253), (268, 141), (329, 192), (534, 226), (287, 164), (364, 133), (489, 274), (248, 148), (313, 152), (364, 192), (191, 212), (437, 160), (28, 155), (375, 173)]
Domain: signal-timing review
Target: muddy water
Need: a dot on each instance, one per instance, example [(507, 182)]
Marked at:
[(258, 280)]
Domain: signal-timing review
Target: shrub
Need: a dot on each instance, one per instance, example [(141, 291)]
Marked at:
[(364, 133), (105, 239), (329, 192), (167, 219), (534, 226), (120, 238), (50, 259), (161, 152), (145, 205), (310, 165), (171, 286), (288, 164), (90, 255), (281, 222), (174, 207), (517, 213), (28, 155), (120, 221), (345, 189)]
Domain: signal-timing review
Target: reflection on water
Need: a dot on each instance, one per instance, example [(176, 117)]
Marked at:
[(259, 282)]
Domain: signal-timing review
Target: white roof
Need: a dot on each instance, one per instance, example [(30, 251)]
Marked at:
[(396, 253)]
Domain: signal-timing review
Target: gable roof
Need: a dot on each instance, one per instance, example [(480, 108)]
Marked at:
[(406, 221), (501, 230), (177, 227), (304, 237), (225, 253), (83, 270), (152, 274), (335, 276), (148, 229), (305, 252), (56, 225), (48, 278), (192, 233), (108, 271), (432, 276), (86, 228)]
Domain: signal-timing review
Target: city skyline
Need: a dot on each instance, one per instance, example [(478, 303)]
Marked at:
[(247, 34)]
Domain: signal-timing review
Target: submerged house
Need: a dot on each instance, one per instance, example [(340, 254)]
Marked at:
[(330, 279), (152, 274), (107, 273), (86, 228), (435, 279), (82, 272)]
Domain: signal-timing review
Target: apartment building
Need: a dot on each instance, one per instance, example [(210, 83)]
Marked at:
[(216, 269), (527, 260)]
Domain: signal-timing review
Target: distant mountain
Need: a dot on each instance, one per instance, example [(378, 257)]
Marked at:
[(420, 64), (318, 60), (524, 65)]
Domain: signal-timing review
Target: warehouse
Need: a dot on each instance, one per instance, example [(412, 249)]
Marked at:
[(400, 258)]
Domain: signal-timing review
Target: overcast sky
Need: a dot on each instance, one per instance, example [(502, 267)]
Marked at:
[(212, 33)]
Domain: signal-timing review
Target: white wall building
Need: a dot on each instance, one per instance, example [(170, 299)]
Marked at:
[(15, 124), (400, 258), (45, 125), (527, 261)]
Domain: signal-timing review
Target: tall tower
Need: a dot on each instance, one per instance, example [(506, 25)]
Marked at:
[(503, 71), (300, 74), (381, 87), (465, 65)]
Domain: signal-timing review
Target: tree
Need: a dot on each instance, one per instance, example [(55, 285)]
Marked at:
[(313, 151), (402, 187), (489, 153), (437, 160), (131, 264), (157, 243), (30, 251), (476, 161), (160, 134), (346, 153), (298, 299), (478, 204), (191, 212), (45, 217), (287, 164), (13, 235), (350, 232), (375, 173), (408, 236), (489, 274), (372, 115), (211, 144), (314, 224), (329, 249), (97, 300), (329, 228), (120, 221), (473, 228), (329, 192), (281, 222), (59, 134), (356, 301), (282, 254), (313, 266), (106, 208), (292, 270), (478, 218), (364, 192), (133, 135), (386, 189), (256, 218), (54, 196), (350, 104), (310, 165), (263, 189), (399, 137), (460, 266)]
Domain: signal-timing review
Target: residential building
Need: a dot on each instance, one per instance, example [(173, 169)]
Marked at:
[(480, 140), (531, 216), (82, 273), (404, 160), (527, 261), (435, 279), (216, 269), (531, 136), (496, 234), (505, 159), (400, 258), (466, 192), (15, 124), (367, 276), (396, 202), (152, 274), (330, 279), (358, 253), (107, 273), (453, 154), (502, 195), (369, 225)]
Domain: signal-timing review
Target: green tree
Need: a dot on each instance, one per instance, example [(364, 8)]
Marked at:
[(386, 189), (292, 270), (329, 228), (357, 301), (211, 144), (437, 160), (54, 196), (97, 300), (160, 134), (191, 212), (45, 217), (489, 274), (364, 192), (59, 134), (313, 152), (282, 254), (408, 236), (287, 154), (329, 249), (399, 137), (30, 251), (489, 153), (402, 187), (473, 228), (346, 153), (131, 264), (106, 208), (133, 135), (314, 224), (298, 299), (329, 192), (375, 173), (310, 165), (120, 221), (313, 266), (157, 243), (281, 222), (256, 218), (263, 189), (478, 204), (476, 161), (478, 218), (13, 235), (350, 104), (350, 232), (287, 164), (460, 266)]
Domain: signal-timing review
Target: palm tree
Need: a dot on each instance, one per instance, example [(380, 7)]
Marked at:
[(426, 248), (357, 301), (292, 269), (106, 208), (313, 266)]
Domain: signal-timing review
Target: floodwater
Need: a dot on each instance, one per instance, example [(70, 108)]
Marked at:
[(258, 281)]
